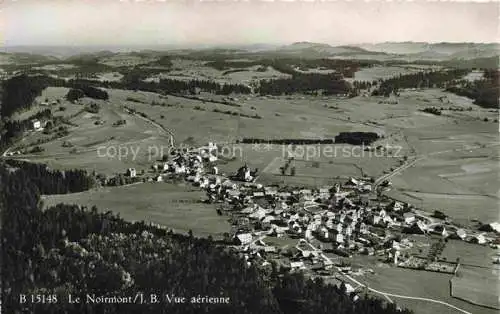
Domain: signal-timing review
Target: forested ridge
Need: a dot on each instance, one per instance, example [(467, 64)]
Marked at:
[(431, 79), (485, 92), (19, 92), (68, 249)]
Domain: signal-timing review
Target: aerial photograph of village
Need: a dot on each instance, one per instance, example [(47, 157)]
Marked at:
[(249, 157)]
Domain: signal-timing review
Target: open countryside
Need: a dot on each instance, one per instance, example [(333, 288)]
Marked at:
[(379, 177)]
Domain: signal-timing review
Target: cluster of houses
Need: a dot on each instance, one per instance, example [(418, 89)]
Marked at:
[(337, 216)]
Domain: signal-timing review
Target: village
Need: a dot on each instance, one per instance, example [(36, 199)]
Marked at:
[(323, 227)]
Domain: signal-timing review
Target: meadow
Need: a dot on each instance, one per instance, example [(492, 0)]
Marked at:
[(422, 284), (478, 286), (174, 206), (456, 174)]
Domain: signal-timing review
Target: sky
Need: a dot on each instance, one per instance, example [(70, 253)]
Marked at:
[(212, 22)]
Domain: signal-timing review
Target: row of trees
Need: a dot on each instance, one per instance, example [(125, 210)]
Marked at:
[(71, 250), (82, 90), (12, 129), (356, 138), (285, 141), (134, 81), (19, 92), (328, 84), (485, 92), (50, 181), (287, 65), (431, 79)]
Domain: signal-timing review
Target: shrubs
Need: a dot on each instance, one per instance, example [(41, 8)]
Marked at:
[(93, 108), (138, 100), (74, 94), (432, 110), (120, 122), (439, 215), (36, 150), (286, 141), (356, 138), (81, 90), (235, 113), (67, 144)]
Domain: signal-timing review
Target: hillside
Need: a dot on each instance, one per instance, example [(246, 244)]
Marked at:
[(435, 51), (321, 50)]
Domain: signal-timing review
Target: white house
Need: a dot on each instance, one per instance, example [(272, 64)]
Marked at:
[(247, 177), (131, 172), (338, 227), (211, 147), (409, 218), (244, 238), (397, 206), (36, 124), (461, 234), (339, 238), (375, 219), (258, 214), (180, 169), (308, 234), (348, 230), (297, 265), (480, 239)]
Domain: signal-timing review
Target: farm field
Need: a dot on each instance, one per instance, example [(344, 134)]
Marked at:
[(476, 285), (381, 72), (462, 185), (234, 75), (422, 284), (385, 181), (455, 174), (173, 206), (470, 254)]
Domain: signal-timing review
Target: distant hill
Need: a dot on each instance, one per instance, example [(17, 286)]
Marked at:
[(309, 49), (24, 58), (398, 51), (435, 51)]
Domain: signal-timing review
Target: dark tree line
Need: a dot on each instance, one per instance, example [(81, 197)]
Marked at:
[(12, 129), (346, 68), (328, 84), (302, 141), (484, 92), (356, 138), (19, 92), (50, 181), (432, 79), (68, 249), (80, 90), (432, 110)]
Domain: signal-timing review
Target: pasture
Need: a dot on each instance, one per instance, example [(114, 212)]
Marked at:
[(421, 284), (377, 72), (456, 175), (461, 184), (174, 206), (478, 286)]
